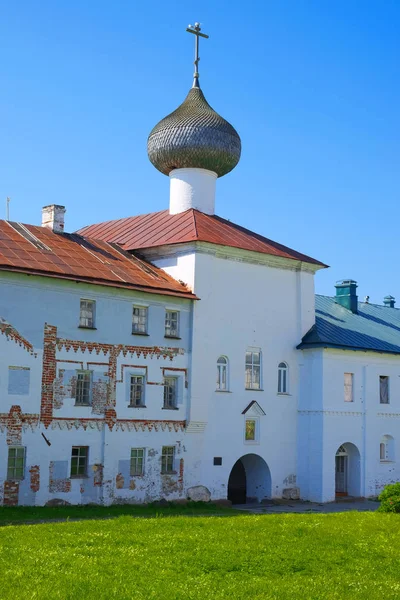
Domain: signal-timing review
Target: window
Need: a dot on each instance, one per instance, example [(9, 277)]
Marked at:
[(253, 370), (384, 389), (167, 459), (137, 461), (172, 323), (170, 392), (86, 316), (137, 391), (282, 378), (222, 373), (79, 460), (18, 380), (139, 319), (250, 431), (83, 388), (386, 449), (348, 387), (16, 462)]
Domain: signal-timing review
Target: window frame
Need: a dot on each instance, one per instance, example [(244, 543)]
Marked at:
[(222, 368), (345, 387), (92, 318), (253, 369), (169, 331), (142, 386), (387, 379), (78, 475), (142, 320), (256, 438), (89, 373), (12, 470), (283, 368), (168, 460), (134, 472), (387, 445), (174, 387)]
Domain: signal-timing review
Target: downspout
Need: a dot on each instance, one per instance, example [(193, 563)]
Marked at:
[(363, 468)]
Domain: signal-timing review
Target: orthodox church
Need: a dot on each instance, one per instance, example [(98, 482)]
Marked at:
[(135, 365)]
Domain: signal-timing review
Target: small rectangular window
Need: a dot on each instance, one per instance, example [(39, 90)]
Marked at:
[(382, 451), (222, 378), (79, 459), (253, 371), (18, 380), (83, 388), (170, 392), (171, 323), (86, 316), (250, 433), (137, 461), (137, 391), (384, 389), (282, 378), (348, 387), (167, 459), (16, 462), (139, 319)]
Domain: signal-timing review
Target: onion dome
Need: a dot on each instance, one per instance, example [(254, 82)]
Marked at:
[(194, 136)]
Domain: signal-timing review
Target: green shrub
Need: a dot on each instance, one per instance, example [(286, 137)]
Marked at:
[(390, 498)]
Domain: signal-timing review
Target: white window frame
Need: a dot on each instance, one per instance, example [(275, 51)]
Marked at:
[(88, 320), (381, 378), (168, 460), (12, 471), (256, 421), (222, 374), (80, 461), (140, 319), (88, 375), (172, 318), (167, 403), (251, 367), (283, 378), (348, 383), (137, 382), (137, 465), (386, 449)]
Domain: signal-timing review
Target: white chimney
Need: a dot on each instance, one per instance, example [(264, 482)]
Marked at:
[(53, 217)]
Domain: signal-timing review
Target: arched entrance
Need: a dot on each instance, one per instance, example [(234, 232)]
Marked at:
[(347, 471), (250, 480)]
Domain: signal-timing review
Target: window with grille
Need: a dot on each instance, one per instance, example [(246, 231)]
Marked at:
[(137, 461), (384, 389), (16, 462), (79, 459), (167, 459), (348, 387), (253, 370), (83, 388), (172, 323), (86, 316), (282, 378), (136, 391), (139, 319), (170, 392), (222, 373)]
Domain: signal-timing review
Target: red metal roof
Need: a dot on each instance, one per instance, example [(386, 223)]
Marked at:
[(37, 250), (160, 228)]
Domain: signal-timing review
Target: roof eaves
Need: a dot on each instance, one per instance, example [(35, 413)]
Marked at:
[(310, 345)]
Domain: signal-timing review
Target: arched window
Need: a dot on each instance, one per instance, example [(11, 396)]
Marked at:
[(283, 378), (386, 449), (222, 374)]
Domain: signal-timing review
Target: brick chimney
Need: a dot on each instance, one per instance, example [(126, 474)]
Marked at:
[(53, 217), (346, 294)]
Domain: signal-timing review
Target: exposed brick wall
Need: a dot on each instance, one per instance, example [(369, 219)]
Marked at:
[(181, 473), (11, 491), (14, 426), (58, 485), (12, 334), (119, 481), (98, 475), (49, 373), (35, 478)]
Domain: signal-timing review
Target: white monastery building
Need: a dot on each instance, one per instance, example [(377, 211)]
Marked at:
[(126, 374)]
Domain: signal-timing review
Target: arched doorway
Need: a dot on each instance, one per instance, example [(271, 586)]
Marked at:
[(347, 470), (249, 480)]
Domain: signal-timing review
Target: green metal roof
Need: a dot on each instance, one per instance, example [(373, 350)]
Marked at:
[(373, 327)]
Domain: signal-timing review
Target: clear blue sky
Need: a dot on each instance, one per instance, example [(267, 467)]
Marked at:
[(312, 87)]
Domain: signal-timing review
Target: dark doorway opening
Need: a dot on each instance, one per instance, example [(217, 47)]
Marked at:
[(237, 484)]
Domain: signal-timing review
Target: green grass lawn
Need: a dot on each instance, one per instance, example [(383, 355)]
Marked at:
[(301, 557)]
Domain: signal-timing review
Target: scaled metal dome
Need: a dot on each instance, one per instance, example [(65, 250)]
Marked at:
[(194, 135)]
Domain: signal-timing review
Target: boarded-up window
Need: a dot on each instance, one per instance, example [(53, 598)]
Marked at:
[(384, 389), (18, 380), (348, 387)]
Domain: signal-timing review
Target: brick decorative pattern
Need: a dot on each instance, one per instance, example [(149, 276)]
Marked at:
[(180, 476), (12, 334), (35, 478), (49, 373)]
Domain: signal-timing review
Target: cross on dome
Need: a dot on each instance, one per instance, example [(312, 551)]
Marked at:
[(196, 30)]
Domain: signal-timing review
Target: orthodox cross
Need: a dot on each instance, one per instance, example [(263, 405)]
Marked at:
[(196, 29)]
